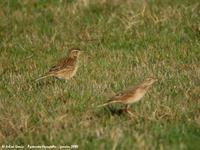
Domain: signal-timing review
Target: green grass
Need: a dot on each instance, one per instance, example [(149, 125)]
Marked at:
[(123, 42)]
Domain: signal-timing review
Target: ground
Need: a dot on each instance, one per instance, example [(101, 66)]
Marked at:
[(124, 42)]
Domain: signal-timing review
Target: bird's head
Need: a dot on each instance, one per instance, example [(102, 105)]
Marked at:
[(74, 52), (149, 81)]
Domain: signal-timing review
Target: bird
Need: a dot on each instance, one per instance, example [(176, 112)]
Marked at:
[(66, 68), (131, 95)]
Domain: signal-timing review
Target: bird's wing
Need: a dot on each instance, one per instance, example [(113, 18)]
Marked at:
[(63, 64), (123, 95)]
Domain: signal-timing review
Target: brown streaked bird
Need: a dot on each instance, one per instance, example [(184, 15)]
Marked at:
[(66, 68), (131, 95)]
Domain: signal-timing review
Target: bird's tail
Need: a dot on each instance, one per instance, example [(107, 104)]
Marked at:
[(43, 77), (107, 103)]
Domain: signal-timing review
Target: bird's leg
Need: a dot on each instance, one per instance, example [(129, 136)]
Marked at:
[(128, 111), (127, 107)]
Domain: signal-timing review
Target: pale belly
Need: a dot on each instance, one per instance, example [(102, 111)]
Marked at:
[(138, 96), (68, 74)]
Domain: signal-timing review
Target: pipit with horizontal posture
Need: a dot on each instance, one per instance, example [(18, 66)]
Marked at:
[(131, 95), (66, 68)]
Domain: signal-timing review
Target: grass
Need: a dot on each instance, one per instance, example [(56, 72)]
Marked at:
[(123, 42)]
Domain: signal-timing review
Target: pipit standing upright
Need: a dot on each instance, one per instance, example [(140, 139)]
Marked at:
[(66, 68), (131, 95)]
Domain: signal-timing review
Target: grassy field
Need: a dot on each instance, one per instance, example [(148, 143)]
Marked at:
[(124, 42)]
